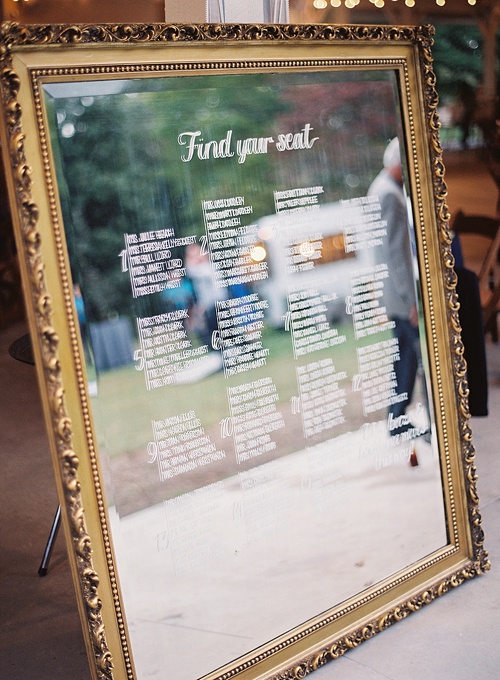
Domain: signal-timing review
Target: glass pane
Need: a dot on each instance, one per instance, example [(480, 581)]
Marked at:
[(248, 294)]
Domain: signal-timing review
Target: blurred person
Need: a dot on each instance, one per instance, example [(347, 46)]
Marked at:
[(399, 288), (468, 103), (206, 295)]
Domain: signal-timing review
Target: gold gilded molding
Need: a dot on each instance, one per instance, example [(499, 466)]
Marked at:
[(82, 34), (459, 365), (339, 647), (80, 377), (49, 342)]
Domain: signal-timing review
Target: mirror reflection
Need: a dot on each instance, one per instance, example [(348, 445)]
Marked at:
[(247, 288)]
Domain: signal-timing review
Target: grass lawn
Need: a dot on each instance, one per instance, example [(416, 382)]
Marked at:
[(124, 408)]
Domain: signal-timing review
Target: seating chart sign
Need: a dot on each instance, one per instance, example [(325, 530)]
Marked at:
[(243, 273)]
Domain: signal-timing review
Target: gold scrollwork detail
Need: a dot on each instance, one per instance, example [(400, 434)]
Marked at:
[(339, 647), (320, 660), (459, 364), (49, 341), (63, 34)]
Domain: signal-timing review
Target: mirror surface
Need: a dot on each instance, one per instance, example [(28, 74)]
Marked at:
[(264, 420)]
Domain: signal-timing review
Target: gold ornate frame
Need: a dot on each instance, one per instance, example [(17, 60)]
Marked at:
[(31, 55)]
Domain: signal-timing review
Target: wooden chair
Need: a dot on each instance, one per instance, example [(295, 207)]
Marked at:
[(489, 272)]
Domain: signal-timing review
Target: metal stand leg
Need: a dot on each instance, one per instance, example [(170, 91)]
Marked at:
[(44, 566)]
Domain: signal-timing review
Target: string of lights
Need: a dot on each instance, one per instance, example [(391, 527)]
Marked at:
[(322, 4)]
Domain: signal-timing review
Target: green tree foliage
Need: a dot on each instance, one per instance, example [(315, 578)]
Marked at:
[(122, 170), (457, 56)]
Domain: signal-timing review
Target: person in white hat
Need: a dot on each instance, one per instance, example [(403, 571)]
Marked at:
[(399, 289)]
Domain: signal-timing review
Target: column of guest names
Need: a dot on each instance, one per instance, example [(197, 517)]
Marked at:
[(230, 241)]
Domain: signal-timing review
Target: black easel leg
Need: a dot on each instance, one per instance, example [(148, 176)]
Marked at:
[(44, 566)]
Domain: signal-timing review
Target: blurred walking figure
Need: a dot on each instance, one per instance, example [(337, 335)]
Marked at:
[(399, 287)]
